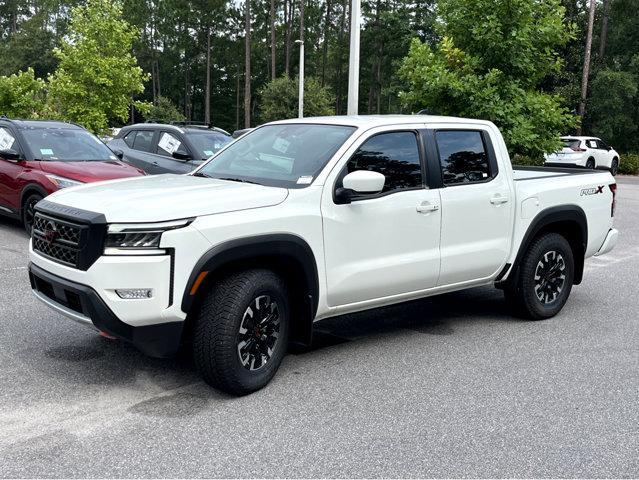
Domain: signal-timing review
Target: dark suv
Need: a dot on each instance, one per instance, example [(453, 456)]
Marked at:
[(38, 157), (167, 148)]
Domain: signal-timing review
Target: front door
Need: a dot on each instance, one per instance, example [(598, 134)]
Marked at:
[(10, 171), (384, 244)]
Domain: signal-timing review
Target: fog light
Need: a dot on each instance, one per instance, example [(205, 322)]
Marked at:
[(134, 293)]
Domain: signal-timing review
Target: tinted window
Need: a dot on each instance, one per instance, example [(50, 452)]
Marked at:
[(143, 140), (570, 143), (602, 145), (287, 155), (462, 156), (167, 144), (395, 155), (129, 138), (62, 144), (592, 143)]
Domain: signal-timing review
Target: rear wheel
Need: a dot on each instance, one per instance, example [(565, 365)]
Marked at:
[(590, 164), (241, 331), (28, 211), (614, 166), (544, 279)]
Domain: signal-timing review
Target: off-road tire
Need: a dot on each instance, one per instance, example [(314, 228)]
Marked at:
[(523, 296), (217, 330)]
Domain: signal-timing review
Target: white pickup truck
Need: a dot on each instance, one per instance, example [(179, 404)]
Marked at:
[(301, 220)]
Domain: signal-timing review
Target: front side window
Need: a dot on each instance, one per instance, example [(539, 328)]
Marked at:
[(462, 156), (129, 138), (7, 140), (395, 155), (285, 155), (62, 144), (167, 144)]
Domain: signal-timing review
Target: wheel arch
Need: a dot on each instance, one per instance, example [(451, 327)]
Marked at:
[(571, 222), (287, 254), (30, 189)]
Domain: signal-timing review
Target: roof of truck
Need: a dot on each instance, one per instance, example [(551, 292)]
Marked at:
[(367, 121)]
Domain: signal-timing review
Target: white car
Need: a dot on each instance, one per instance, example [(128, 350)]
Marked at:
[(305, 219), (589, 152)]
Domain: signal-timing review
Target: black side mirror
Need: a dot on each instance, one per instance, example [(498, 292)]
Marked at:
[(181, 155), (344, 196), (10, 154), (118, 153)]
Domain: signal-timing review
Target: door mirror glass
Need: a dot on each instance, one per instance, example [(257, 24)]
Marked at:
[(364, 181), (10, 154)]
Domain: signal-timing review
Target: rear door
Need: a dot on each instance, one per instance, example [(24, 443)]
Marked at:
[(477, 205), (140, 145)]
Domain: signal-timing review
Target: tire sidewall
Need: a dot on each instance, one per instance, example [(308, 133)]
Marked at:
[(590, 164), (30, 199), (545, 244), (270, 285)]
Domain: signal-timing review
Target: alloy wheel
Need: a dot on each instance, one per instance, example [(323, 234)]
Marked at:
[(550, 277), (259, 332)]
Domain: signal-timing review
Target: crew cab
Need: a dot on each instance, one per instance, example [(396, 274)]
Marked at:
[(305, 219), (38, 157)]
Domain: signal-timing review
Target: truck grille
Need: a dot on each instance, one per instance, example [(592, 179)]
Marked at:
[(58, 240)]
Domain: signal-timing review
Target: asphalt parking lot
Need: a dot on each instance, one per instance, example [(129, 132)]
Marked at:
[(451, 386)]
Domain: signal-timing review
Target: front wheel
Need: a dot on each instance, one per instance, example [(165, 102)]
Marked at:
[(28, 211), (241, 331), (545, 278)]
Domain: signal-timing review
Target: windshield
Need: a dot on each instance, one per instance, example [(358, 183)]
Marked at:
[(207, 143), (288, 155), (66, 145)]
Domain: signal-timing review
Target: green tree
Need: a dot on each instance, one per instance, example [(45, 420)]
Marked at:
[(164, 111), (22, 95), (489, 63), (97, 76), (279, 99), (610, 113)]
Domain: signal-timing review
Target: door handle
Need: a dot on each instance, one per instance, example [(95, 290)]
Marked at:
[(498, 199), (427, 207)]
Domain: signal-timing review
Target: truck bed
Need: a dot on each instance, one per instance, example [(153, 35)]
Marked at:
[(521, 172)]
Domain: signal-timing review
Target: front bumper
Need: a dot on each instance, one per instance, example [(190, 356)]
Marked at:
[(609, 243), (83, 304)]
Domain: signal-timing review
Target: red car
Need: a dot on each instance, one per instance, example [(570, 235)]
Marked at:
[(38, 157)]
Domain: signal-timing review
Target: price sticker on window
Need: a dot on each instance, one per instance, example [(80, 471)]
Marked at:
[(169, 143), (6, 140)]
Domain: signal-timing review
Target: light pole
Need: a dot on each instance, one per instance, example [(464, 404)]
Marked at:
[(353, 60), (300, 106)]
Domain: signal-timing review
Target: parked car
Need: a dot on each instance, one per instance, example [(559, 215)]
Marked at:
[(38, 157), (165, 148), (307, 219), (239, 133), (589, 152)]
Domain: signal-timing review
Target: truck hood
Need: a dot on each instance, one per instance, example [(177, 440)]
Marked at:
[(91, 171), (167, 197)]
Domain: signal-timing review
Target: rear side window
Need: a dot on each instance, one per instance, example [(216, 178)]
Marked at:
[(462, 156), (395, 155), (143, 140), (592, 143)]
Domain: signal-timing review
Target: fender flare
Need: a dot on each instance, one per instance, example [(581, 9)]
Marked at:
[(549, 216), (286, 246)]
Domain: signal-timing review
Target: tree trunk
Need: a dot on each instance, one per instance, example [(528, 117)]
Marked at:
[(247, 66), (289, 35), (302, 20), (207, 89), (586, 70), (604, 30), (376, 64), (327, 22), (237, 98), (273, 74)]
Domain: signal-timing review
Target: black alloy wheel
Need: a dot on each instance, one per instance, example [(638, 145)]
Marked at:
[(258, 332), (28, 211)]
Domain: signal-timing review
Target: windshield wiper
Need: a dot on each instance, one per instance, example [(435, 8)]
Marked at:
[(230, 179), (201, 174)]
